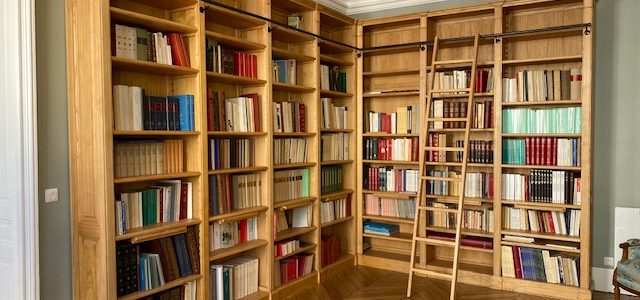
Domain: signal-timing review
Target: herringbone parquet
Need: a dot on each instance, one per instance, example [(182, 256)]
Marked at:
[(360, 283)]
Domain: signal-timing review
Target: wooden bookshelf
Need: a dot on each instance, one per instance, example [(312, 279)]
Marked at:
[(397, 76)]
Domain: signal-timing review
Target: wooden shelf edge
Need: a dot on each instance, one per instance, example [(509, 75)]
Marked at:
[(154, 133), (167, 286), (340, 193), (237, 170), (156, 229), (155, 177), (301, 250), (338, 221), (235, 249), (291, 232), (293, 202), (238, 213)]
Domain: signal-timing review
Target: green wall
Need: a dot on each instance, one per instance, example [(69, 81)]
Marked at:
[(617, 69), (53, 153)]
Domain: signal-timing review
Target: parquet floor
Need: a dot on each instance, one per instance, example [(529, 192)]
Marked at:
[(370, 283)]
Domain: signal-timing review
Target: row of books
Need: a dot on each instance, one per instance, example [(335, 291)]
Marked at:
[(540, 265), (165, 201), (330, 179), (234, 279), (405, 120), (289, 151), (390, 179), (233, 114), (229, 192), (555, 222), (141, 267), (284, 70), (297, 217), (231, 153), (147, 157), (480, 219), (228, 234), (543, 85), (288, 117), (132, 110), (542, 120), (546, 186), (479, 151), (478, 184), (334, 117), (389, 207), (140, 44), (379, 228), (335, 209), (467, 241), (332, 79), (401, 149), (286, 247), (482, 115), (461, 79), (541, 151), (290, 184), (330, 247), (448, 109), (334, 146), (222, 59), (292, 268)]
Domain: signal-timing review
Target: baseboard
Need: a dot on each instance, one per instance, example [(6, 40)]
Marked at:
[(602, 278)]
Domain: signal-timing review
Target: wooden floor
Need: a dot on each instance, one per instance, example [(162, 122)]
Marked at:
[(370, 283)]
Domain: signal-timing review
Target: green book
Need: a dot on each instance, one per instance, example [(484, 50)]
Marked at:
[(142, 44), (305, 182)]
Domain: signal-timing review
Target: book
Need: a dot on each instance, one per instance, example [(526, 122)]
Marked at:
[(461, 79), (540, 185), (405, 120), (230, 192), (231, 153), (223, 59), (389, 207), (467, 241), (540, 265), (334, 117), (378, 228), (234, 279), (286, 247), (330, 179), (292, 268), (302, 216), (478, 184), (288, 117), (331, 78), (553, 222), (335, 209), (290, 184), (147, 157), (229, 234), (334, 146), (542, 85), (285, 70), (400, 149), (541, 151), (390, 179), (480, 219), (238, 114), (295, 22), (140, 44), (330, 247), (542, 120), (289, 150)]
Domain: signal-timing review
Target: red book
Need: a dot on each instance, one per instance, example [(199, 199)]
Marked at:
[(552, 226), (178, 55), (236, 63), (303, 126), (389, 149), (380, 157), (209, 109), (491, 186), (221, 112), (537, 145), (243, 230), (254, 66), (527, 151), (554, 152), (414, 149), (548, 151), (247, 65), (516, 261), (184, 193), (228, 190)]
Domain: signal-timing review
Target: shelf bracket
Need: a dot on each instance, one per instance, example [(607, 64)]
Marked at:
[(587, 29), (203, 9), (497, 40), (271, 28), (359, 54), (423, 47)]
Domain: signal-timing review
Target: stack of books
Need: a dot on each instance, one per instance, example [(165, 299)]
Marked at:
[(406, 120), (147, 157), (401, 149), (234, 114), (543, 85), (540, 265), (335, 209), (294, 267), (231, 153), (389, 207), (378, 228), (289, 151), (540, 151), (234, 279), (332, 79), (546, 186), (391, 179), (286, 247), (132, 110), (290, 184), (334, 117), (289, 117), (334, 146), (229, 192), (330, 245), (554, 222), (544, 120), (480, 219), (330, 179)]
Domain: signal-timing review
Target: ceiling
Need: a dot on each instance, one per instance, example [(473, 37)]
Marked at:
[(352, 7)]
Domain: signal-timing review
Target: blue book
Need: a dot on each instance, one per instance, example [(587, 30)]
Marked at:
[(191, 121), (143, 273), (183, 112)]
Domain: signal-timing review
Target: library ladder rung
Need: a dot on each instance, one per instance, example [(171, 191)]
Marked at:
[(446, 119), (432, 274), (436, 242), (467, 90)]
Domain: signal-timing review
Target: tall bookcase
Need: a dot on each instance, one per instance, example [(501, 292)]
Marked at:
[(93, 71), (519, 35)]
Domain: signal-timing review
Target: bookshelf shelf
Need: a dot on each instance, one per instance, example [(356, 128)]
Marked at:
[(236, 214), (334, 94), (233, 79), (293, 202), (301, 250), (234, 42), (340, 193), (543, 103), (464, 95), (461, 130), (544, 60), (394, 50), (457, 164), (454, 199), (540, 235), (259, 295), (343, 258), (237, 170), (566, 168), (291, 232), (155, 177), (149, 22), (280, 53), (541, 205), (333, 48), (559, 135), (390, 162), (336, 162), (397, 237), (444, 266), (388, 219), (287, 285), (289, 35), (466, 232), (167, 4), (454, 66), (390, 194), (329, 130), (239, 248), (294, 134), (334, 61), (141, 66), (389, 135), (338, 221), (226, 17), (389, 94), (385, 73), (279, 86), (157, 229), (294, 165), (155, 133), (236, 134), (167, 286), (539, 246)]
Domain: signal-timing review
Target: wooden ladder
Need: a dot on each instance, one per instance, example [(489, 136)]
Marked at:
[(419, 226)]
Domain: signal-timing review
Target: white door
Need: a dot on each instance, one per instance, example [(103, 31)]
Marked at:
[(18, 174)]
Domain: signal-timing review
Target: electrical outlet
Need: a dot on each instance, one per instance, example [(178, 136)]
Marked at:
[(51, 195), (608, 261)]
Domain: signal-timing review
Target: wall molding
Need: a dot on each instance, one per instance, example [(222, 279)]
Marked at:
[(352, 7)]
